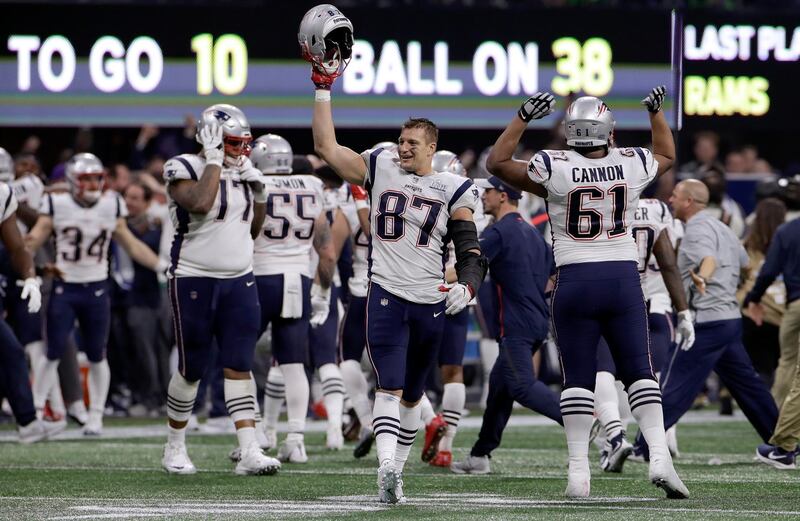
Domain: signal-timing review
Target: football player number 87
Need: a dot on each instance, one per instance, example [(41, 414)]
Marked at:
[(391, 224)]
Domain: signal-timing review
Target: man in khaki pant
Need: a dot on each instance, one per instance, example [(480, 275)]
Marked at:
[(783, 257)]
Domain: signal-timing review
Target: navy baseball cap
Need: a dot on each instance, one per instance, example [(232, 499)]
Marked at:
[(497, 184)]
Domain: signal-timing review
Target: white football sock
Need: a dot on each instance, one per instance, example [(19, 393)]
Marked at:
[(37, 353), (273, 397), (605, 404), (409, 425), (296, 397), (45, 377), (180, 397), (624, 408), (386, 425), (577, 410), (490, 350), (426, 410), (645, 401), (333, 393), (241, 406), (99, 380), (356, 385), (453, 399)]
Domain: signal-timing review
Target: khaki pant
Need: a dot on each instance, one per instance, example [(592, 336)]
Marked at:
[(786, 389)]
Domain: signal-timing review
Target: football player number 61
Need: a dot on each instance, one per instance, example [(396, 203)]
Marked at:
[(221, 64)]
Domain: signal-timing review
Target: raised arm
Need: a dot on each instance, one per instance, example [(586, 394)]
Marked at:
[(139, 251), (501, 162), (661, 134), (198, 196), (347, 163)]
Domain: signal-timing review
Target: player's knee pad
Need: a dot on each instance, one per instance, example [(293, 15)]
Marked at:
[(181, 394), (240, 400)]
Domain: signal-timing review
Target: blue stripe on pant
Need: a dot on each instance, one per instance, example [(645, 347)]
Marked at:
[(206, 308), (595, 299), (454, 340), (323, 339), (718, 347), (90, 304), (354, 330), (14, 382), (512, 379), (289, 335), (403, 340)]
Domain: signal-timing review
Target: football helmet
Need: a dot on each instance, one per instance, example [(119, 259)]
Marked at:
[(6, 166), (446, 161), (326, 39), (86, 176), (391, 146), (272, 154), (588, 123), (236, 134)]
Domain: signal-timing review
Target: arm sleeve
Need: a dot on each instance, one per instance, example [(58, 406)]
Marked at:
[(178, 169), (491, 243), (772, 267), (8, 202), (540, 169)]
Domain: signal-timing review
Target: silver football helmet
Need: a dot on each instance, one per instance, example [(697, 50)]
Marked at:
[(588, 123), (81, 165), (326, 38), (6, 166), (236, 133), (446, 161), (272, 154)]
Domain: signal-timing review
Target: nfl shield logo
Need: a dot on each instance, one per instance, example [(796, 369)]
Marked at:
[(384, 302), (193, 295)]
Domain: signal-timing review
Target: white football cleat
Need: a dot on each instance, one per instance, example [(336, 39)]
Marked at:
[(472, 465), (76, 411), (663, 475), (255, 463), (235, 454), (390, 483), (94, 425), (335, 438), (293, 451), (39, 430), (176, 460), (578, 479)]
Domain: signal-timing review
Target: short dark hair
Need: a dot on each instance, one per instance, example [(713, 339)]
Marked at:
[(147, 192), (430, 128)]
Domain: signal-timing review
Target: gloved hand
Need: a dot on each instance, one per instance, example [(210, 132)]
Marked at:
[(253, 177), (360, 196), (322, 80), (458, 297), (537, 106), (32, 293), (211, 139), (684, 331), (655, 99), (320, 304)]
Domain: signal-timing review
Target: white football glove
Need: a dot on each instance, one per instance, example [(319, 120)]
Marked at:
[(655, 99), (253, 177), (537, 106), (211, 139), (31, 292), (320, 304), (684, 331), (457, 298)]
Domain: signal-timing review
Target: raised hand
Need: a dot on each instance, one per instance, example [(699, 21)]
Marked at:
[(655, 99), (537, 106)]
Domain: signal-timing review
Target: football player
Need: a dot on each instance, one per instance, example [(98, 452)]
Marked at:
[(83, 221), (592, 191), (216, 201), (413, 210)]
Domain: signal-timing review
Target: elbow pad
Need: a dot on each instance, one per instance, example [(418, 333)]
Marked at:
[(470, 267)]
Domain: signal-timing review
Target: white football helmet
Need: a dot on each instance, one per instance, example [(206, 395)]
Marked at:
[(81, 170), (235, 131), (588, 123), (6, 166), (446, 161), (326, 38), (272, 154)]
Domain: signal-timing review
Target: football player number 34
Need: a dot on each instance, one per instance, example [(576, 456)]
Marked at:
[(391, 223)]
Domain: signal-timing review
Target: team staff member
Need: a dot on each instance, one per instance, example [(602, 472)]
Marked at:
[(710, 260), (520, 263), (783, 256)]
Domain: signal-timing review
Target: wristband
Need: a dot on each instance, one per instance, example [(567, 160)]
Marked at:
[(322, 95), (260, 197), (362, 204)]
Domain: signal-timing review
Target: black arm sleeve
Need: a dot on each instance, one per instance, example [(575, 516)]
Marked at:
[(471, 267)]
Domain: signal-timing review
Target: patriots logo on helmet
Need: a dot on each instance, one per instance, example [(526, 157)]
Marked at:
[(475, 192), (171, 173), (221, 116)]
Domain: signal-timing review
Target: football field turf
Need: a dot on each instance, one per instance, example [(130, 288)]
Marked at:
[(119, 477)]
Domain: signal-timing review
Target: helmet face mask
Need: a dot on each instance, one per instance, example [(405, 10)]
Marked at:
[(326, 39), (588, 123), (86, 177), (272, 154), (236, 134)]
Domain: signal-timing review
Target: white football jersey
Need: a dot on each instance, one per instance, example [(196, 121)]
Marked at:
[(592, 202), (408, 218), (359, 280), (28, 189), (8, 203), (294, 202), (652, 218), (217, 244), (83, 234)]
